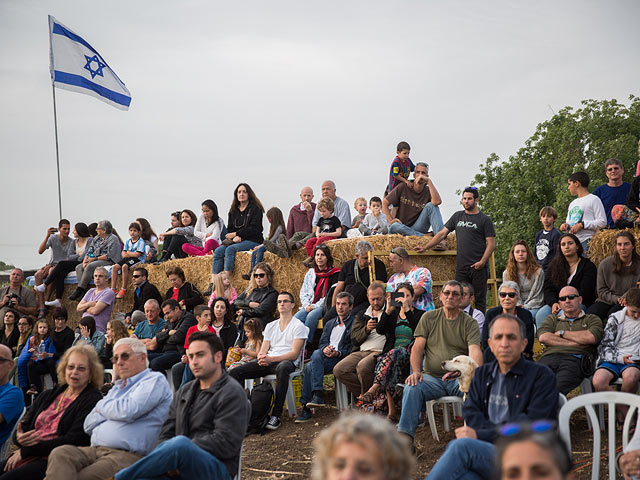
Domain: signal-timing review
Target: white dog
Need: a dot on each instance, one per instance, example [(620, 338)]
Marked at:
[(461, 367)]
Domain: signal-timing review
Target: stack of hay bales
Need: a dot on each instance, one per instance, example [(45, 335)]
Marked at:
[(289, 272)]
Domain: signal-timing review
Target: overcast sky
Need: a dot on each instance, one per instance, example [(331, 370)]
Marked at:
[(282, 94)]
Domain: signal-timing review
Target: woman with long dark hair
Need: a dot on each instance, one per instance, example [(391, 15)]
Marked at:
[(277, 228), (523, 269), (150, 239), (208, 229), (179, 236)]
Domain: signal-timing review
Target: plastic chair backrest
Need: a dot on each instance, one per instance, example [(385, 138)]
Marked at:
[(588, 401), (4, 451)]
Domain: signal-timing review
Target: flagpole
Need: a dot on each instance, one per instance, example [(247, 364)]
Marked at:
[(55, 122)]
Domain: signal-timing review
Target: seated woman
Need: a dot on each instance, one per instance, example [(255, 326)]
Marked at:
[(115, 331), (208, 229), (317, 282), (104, 249), (259, 300), (509, 294), (616, 275), (62, 269), (568, 267), (62, 335), (9, 334), (181, 235), (150, 239), (36, 359), (397, 324), (57, 415), (278, 227), (183, 292), (88, 333), (523, 269), (245, 230), (25, 324)]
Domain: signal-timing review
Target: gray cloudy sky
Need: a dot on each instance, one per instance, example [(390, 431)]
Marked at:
[(286, 93)]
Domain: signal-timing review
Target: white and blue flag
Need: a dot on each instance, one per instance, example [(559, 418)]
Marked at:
[(77, 66)]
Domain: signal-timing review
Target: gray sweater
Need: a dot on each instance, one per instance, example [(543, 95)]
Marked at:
[(611, 286)]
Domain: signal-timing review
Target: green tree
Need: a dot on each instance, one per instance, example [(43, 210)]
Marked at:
[(513, 192)]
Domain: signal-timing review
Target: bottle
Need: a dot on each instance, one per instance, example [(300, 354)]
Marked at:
[(40, 350)]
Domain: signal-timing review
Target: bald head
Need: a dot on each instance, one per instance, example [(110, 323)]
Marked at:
[(306, 194), (5, 352), (569, 300), (329, 189), (6, 363)]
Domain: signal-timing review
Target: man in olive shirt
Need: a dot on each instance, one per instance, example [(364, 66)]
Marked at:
[(568, 337), (441, 335)]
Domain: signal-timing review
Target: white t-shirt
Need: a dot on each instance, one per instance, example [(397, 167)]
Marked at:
[(590, 212), (280, 342), (336, 335)]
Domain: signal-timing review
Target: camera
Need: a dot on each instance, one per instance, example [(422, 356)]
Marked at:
[(12, 296)]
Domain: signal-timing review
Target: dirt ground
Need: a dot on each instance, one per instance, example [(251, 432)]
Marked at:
[(287, 452)]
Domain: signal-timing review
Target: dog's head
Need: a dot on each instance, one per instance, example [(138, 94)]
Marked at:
[(461, 367)]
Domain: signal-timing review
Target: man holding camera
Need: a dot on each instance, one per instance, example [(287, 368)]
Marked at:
[(17, 297)]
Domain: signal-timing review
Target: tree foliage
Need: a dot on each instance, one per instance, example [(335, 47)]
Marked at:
[(513, 192)]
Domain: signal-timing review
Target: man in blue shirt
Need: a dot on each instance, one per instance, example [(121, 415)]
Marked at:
[(124, 425), (11, 398), (615, 191), (146, 330), (508, 389)]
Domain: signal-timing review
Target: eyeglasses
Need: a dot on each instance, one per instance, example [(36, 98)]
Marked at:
[(450, 293), (259, 275), (568, 297), (539, 426), (124, 356), (507, 294), (23, 324), (285, 301), (6, 359), (612, 169)]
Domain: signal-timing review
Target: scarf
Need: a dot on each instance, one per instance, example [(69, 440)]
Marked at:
[(322, 283)]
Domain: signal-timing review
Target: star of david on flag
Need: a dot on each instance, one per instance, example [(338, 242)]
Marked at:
[(77, 66)]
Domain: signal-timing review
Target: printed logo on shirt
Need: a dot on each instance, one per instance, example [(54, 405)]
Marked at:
[(542, 249), (467, 224), (411, 203), (575, 215)]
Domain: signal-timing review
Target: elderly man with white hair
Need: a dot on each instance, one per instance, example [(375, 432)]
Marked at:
[(510, 303), (124, 426), (104, 249), (341, 208)]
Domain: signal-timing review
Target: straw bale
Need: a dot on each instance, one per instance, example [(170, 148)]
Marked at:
[(603, 244)]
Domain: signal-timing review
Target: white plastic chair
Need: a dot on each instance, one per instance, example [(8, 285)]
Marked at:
[(588, 401), (456, 406), (6, 448)]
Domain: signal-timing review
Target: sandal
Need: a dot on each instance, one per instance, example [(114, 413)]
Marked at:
[(121, 293), (367, 397)]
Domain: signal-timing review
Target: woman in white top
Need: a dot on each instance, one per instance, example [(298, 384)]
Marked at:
[(208, 229), (523, 269)]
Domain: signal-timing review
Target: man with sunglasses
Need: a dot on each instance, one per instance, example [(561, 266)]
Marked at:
[(570, 337), (441, 335), (144, 291), (124, 425), (507, 389)]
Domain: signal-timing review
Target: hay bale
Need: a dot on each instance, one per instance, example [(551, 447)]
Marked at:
[(603, 244)]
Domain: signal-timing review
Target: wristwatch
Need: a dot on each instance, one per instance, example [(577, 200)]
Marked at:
[(561, 333)]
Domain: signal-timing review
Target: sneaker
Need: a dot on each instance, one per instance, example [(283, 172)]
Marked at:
[(283, 243), (53, 303), (316, 401), (308, 262), (209, 290), (77, 294), (273, 247), (32, 391), (246, 276), (304, 416), (40, 288), (121, 293), (273, 423), (42, 313)]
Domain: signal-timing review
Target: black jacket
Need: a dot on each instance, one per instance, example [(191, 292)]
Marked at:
[(62, 341), (175, 342), (219, 424), (387, 325), (148, 291), (633, 197), (248, 224), (12, 340), (584, 280), (189, 293), (71, 427), (267, 297), (524, 315)]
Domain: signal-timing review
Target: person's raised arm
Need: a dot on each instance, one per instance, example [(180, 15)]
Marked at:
[(435, 195), (44, 245)]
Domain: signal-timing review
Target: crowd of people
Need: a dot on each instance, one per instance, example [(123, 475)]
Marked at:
[(378, 333)]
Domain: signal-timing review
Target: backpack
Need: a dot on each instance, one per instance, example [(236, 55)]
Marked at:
[(261, 398)]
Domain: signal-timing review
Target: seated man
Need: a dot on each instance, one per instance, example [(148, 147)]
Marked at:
[(354, 279), (441, 335), (341, 208), (508, 389), (356, 370), (203, 435), (279, 355), (620, 343), (299, 225), (124, 425), (11, 397), (146, 330), (335, 344), (569, 337), (144, 291), (167, 348), (416, 206), (405, 271), (468, 297), (17, 297)]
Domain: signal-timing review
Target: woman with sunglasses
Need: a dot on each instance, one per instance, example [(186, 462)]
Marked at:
[(509, 294), (259, 300), (568, 267)]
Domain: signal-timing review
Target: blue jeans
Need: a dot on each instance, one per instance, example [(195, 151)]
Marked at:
[(429, 217), (310, 319), (415, 397), (226, 256), (177, 453), (314, 371), (465, 458), (257, 255)]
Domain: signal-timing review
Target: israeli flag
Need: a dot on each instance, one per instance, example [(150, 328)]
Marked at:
[(77, 66)]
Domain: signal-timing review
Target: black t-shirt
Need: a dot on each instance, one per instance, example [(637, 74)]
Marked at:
[(347, 275), (471, 234), (328, 225)]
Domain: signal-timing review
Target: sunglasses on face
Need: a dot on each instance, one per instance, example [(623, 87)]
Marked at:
[(124, 356), (259, 275), (568, 297), (507, 294), (136, 276), (450, 293)]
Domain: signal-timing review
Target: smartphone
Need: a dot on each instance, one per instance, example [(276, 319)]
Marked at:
[(635, 359), (394, 299)]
